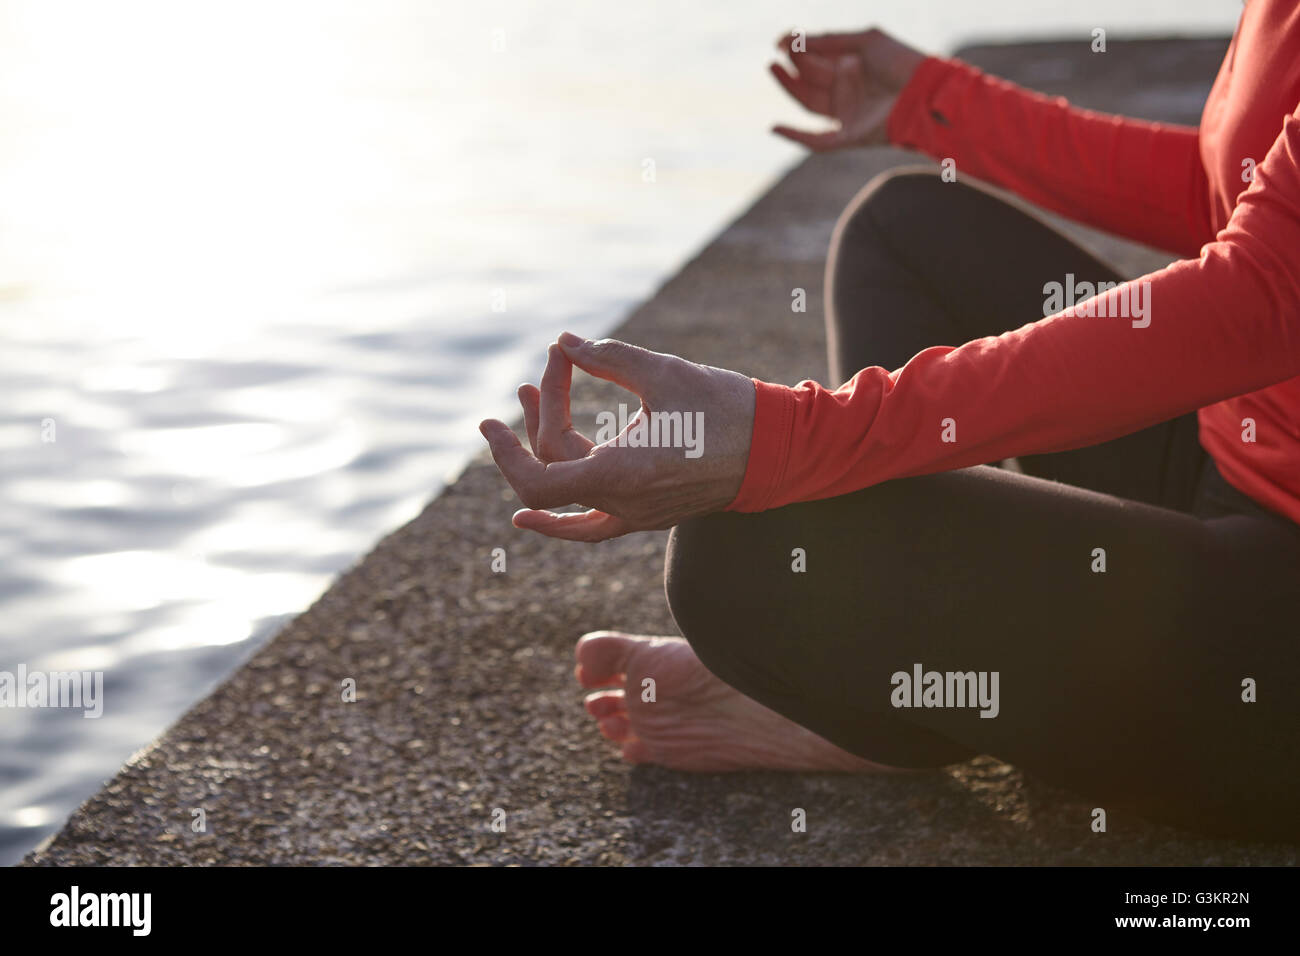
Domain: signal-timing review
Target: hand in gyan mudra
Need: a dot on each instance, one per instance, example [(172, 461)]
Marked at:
[(683, 453)]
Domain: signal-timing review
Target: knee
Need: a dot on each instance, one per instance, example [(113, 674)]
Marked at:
[(895, 196)]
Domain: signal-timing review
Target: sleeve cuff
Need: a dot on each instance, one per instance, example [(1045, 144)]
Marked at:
[(915, 121), (769, 447)]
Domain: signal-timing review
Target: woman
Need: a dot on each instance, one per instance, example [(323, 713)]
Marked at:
[(1125, 603)]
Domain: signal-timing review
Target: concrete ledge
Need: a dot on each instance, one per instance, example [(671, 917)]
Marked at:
[(466, 697)]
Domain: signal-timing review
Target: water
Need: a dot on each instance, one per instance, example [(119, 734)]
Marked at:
[(264, 266)]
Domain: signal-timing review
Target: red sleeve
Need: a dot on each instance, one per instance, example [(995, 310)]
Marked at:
[(1135, 178), (1224, 324)]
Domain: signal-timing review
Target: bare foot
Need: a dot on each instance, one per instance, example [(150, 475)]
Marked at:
[(695, 722)]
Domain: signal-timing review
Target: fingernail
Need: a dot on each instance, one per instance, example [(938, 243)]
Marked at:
[(571, 340)]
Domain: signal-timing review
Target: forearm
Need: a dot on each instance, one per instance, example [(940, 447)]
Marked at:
[(1135, 178), (1192, 334), (1063, 382)]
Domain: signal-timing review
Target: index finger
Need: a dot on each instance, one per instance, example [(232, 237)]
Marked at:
[(538, 485)]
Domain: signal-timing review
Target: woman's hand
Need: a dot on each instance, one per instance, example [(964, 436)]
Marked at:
[(708, 412), (854, 78)]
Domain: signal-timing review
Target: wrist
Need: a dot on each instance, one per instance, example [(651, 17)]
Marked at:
[(769, 446), (912, 121)]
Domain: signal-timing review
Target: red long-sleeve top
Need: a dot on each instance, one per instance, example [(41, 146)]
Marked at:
[(1223, 335)]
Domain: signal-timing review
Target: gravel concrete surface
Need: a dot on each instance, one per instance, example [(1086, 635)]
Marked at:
[(466, 701)]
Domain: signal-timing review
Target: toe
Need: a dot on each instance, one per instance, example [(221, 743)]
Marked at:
[(606, 703), (617, 728), (581, 676), (603, 657), (635, 750)]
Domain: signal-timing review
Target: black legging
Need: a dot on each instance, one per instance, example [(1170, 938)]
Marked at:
[(1124, 685)]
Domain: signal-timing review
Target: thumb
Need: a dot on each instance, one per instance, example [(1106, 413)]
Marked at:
[(635, 369), (817, 142)]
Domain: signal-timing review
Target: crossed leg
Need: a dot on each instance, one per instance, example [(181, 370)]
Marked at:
[(1123, 684)]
